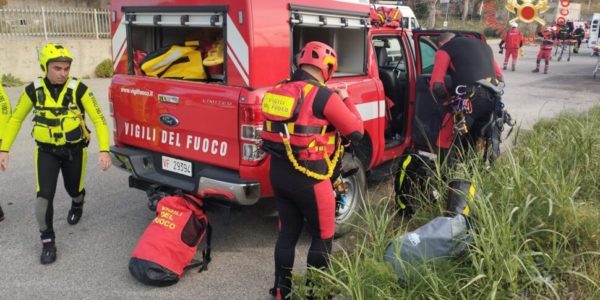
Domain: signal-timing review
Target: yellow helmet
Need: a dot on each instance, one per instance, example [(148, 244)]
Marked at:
[(53, 52)]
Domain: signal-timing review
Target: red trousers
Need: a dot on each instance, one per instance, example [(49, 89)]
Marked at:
[(544, 54), (511, 52)]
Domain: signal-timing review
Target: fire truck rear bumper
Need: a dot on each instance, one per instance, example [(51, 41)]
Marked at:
[(206, 181)]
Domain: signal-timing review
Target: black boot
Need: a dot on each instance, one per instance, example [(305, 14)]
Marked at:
[(48, 252), (75, 213), (1, 214)]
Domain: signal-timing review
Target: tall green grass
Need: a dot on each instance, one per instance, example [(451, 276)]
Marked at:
[(536, 228)]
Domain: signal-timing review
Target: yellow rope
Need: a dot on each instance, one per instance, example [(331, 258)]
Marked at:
[(330, 163)]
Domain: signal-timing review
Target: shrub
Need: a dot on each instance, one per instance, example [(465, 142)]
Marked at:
[(490, 32), (104, 69), (10, 80)]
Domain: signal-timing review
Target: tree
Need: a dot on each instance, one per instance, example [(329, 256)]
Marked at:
[(432, 12), (465, 12)]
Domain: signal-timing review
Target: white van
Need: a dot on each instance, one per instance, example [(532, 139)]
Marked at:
[(594, 30), (409, 20)]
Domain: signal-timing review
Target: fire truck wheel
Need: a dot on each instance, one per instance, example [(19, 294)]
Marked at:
[(352, 201)]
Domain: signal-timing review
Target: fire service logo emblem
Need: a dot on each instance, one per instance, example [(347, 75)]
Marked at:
[(526, 10)]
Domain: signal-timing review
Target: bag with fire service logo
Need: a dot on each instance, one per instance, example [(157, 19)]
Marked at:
[(167, 247)]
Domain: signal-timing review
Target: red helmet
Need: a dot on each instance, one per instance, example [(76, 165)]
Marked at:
[(321, 56)]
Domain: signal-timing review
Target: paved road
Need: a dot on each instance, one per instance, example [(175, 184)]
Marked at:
[(93, 255)]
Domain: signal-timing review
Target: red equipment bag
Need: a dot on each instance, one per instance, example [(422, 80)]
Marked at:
[(170, 242), (385, 16)]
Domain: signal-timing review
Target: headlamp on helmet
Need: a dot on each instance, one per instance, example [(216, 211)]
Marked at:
[(53, 52), (321, 56)]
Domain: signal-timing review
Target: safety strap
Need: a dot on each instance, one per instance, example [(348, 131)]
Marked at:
[(40, 96), (279, 127), (46, 121)]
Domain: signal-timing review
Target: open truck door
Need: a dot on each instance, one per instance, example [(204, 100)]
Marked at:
[(429, 111)]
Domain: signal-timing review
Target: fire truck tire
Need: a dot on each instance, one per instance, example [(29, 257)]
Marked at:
[(355, 183)]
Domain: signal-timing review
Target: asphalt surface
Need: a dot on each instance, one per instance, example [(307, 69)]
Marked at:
[(93, 255)]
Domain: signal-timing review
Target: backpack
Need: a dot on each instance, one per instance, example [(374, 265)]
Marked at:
[(444, 237), (283, 102), (170, 242), (175, 62), (440, 238)]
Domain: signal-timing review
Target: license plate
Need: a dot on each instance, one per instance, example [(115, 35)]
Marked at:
[(177, 166)]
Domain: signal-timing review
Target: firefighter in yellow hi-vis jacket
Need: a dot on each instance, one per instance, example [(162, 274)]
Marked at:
[(4, 116), (60, 104)]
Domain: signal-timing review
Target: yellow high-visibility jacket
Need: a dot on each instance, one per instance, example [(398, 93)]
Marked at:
[(4, 111), (53, 114)]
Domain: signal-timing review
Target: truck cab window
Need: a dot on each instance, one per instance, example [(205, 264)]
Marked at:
[(427, 48), (391, 64)]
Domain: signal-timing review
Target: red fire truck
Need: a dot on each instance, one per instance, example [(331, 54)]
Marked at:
[(203, 136)]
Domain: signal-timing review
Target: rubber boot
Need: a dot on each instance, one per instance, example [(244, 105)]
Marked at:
[(281, 288), (512, 68), (76, 210), (536, 70), (48, 251), (1, 214)]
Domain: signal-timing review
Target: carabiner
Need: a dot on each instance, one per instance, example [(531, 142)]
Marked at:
[(459, 88)]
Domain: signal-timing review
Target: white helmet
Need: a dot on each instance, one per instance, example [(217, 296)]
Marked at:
[(514, 25)]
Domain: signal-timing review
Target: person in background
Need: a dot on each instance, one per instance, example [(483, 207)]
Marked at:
[(513, 41), (578, 34), (547, 41), (60, 104)]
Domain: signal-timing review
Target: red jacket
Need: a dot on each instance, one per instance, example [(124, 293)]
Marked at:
[(320, 108), (513, 39)]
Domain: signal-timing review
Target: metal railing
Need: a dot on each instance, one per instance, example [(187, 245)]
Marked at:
[(45, 22)]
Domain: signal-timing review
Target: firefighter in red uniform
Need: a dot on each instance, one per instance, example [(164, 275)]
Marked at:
[(303, 123), (470, 63), (545, 50), (512, 42)]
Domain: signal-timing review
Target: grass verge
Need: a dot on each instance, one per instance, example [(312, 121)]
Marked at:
[(536, 232)]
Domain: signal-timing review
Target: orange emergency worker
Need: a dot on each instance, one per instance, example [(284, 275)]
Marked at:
[(303, 123), (467, 61), (545, 52), (513, 41)]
